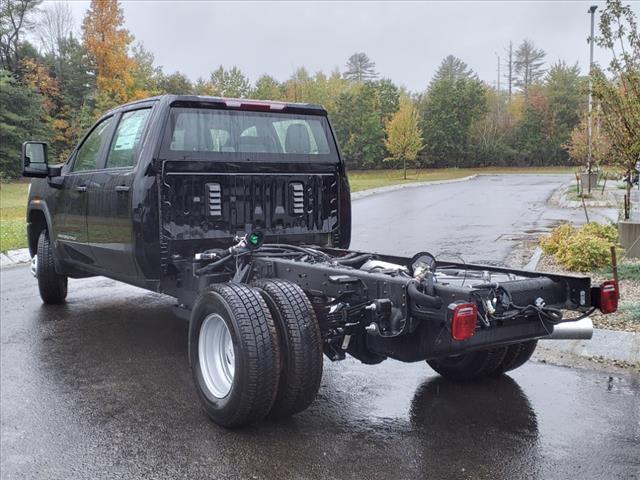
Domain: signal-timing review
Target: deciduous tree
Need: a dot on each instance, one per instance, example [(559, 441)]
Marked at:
[(619, 95), (404, 137), (267, 88), (230, 83), (107, 42)]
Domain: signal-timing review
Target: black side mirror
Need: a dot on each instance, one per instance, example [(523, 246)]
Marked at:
[(34, 159)]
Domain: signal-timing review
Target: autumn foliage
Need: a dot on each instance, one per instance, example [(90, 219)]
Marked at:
[(107, 43)]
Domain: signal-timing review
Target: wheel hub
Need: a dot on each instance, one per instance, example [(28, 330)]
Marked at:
[(216, 355)]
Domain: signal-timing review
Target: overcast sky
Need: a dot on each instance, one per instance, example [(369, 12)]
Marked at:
[(407, 40)]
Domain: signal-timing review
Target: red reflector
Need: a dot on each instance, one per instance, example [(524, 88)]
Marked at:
[(609, 296), (463, 320)]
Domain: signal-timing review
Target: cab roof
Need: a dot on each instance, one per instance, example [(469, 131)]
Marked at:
[(202, 101)]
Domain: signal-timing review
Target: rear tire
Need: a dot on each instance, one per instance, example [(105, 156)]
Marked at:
[(52, 286), (234, 354), (301, 346), (470, 366), (517, 355)]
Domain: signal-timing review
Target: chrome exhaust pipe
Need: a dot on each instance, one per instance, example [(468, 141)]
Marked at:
[(578, 330)]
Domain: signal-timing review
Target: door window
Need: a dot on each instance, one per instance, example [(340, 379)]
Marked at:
[(127, 139), (87, 156)]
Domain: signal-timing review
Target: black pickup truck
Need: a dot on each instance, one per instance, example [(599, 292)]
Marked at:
[(241, 210)]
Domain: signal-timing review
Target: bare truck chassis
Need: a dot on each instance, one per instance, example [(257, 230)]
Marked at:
[(376, 306)]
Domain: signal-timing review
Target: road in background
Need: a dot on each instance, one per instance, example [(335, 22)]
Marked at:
[(481, 219), (101, 387)]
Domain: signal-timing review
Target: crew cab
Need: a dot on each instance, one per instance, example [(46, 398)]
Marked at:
[(240, 209)]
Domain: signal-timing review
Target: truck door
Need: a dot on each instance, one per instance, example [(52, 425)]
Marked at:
[(70, 221), (110, 209)]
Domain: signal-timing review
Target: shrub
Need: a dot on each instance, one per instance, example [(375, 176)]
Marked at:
[(605, 232), (558, 238), (584, 249)]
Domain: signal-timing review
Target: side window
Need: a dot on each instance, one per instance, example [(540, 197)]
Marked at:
[(87, 156), (127, 139)]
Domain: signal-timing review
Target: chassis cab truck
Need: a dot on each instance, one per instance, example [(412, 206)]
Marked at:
[(241, 210)]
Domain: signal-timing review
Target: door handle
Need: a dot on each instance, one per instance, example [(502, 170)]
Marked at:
[(81, 189), (122, 188)]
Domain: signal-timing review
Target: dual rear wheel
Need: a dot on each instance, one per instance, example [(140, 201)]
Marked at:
[(484, 363), (254, 351)]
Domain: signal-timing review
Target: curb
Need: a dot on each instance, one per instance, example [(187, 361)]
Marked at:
[(622, 348), (392, 188), (564, 202), (535, 259), (15, 257)]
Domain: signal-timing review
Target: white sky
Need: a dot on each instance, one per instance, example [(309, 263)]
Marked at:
[(407, 40)]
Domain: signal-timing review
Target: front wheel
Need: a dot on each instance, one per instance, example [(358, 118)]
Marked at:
[(234, 354), (52, 286)]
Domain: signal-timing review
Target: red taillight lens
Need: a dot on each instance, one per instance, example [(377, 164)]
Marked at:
[(464, 317), (609, 296)]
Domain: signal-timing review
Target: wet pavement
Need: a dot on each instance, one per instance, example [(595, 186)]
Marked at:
[(480, 220), (100, 388)]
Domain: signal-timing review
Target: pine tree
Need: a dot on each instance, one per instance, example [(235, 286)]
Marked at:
[(528, 66), (360, 68)]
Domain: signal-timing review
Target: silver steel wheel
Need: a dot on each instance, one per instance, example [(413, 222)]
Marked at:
[(216, 356)]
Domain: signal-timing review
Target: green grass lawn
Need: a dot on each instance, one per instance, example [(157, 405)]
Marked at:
[(13, 196), (13, 207)]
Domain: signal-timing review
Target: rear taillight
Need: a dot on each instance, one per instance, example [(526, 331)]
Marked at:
[(609, 296), (464, 318)]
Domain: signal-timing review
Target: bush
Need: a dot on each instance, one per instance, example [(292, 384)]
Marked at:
[(558, 238), (605, 232), (584, 249)]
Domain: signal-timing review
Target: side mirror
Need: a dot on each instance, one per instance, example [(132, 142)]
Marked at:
[(34, 159)]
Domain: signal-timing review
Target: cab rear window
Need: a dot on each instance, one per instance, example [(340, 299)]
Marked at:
[(195, 132)]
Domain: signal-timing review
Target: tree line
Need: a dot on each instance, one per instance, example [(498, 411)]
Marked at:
[(55, 86)]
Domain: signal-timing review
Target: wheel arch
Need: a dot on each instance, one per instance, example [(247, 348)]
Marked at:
[(38, 219)]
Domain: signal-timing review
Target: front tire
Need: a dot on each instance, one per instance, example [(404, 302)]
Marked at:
[(234, 354), (470, 366), (301, 346), (52, 286)]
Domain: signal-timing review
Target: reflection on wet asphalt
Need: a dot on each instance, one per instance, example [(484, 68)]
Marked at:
[(100, 388)]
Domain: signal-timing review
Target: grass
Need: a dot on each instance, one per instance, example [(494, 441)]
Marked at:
[(13, 207), (626, 271), (13, 196), (631, 310)]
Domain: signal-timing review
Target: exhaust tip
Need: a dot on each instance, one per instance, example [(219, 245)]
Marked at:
[(578, 330)]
